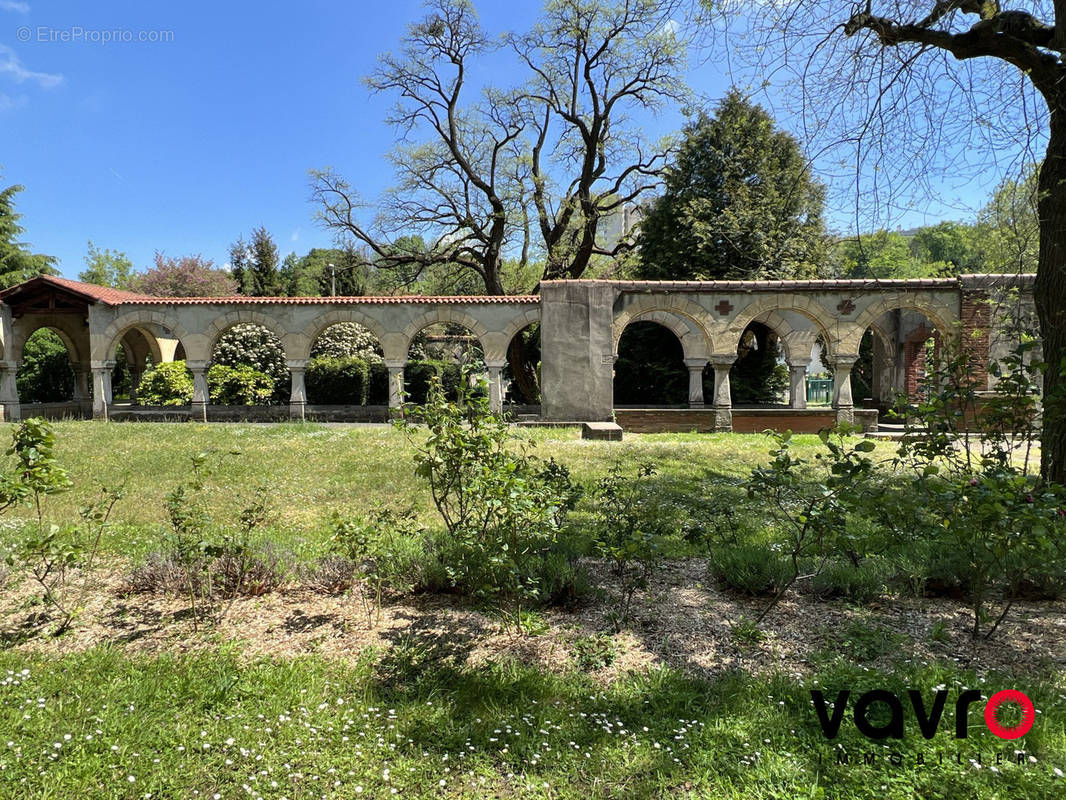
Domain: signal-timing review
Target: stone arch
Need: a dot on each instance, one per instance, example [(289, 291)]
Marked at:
[(78, 352), (247, 316), (943, 317), (677, 314), (503, 340), (767, 311), (336, 316), (143, 320), (446, 315), (796, 342)]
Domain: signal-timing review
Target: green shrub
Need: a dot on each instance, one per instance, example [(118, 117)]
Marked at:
[(861, 584), (239, 386), (166, 384), (251, 345), (337, 381), (752, 569)]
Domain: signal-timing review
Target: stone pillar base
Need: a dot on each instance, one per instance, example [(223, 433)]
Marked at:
[(297, 411), (723, 420), (199, 412), (696, 405), (845, 415)]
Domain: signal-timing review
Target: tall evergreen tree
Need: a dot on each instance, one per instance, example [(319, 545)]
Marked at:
[(265, 280), (239, 258), (17, 263), (740, 203)]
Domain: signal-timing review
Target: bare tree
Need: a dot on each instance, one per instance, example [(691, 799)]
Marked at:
[(592, 64), (460, 187), (913, 89)]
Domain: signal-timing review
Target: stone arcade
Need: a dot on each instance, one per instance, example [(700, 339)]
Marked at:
[(581, 326)]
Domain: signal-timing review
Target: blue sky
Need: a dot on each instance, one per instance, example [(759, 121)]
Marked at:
[(184, 144)]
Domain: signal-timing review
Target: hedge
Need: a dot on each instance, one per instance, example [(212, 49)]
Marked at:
[(338, 381)]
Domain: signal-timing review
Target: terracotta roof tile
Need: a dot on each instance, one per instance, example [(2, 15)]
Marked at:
[(305, 301), (117, 297)]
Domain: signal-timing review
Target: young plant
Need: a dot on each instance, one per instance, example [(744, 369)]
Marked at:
[(50, 552), (502, 508), (372, 547), (629, 530), (809, 501)]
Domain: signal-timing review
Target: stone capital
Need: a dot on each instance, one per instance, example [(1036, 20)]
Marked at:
[(696, 363)]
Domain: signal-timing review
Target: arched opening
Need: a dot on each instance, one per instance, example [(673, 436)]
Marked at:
[(136, 353), (759, 376), (650, 368), (521, 374), (347, 367), (248, 368), (46, 373), (444, 350), (895, 353)]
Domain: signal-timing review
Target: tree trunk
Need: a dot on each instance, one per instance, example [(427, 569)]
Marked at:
[(523, 370), (1050, 294)]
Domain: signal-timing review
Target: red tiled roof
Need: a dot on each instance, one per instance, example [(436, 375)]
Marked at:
[(117, 297), (97, 294), (307, 301)]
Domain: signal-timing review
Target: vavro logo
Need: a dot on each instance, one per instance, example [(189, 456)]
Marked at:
[(928, 720)]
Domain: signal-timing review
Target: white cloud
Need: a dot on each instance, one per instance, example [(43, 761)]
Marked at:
[(11, 65), (295, 237), (15, 5), (9, 103)]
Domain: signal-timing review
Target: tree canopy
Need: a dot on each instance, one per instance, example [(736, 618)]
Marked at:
[(740, 203), (17, 262), (184, 276), (106, 268)]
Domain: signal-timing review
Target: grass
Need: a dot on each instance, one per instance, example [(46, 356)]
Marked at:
[(102, 724), (312, 470), (414, 720)]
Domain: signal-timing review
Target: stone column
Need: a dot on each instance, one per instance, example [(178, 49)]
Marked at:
[(101, 388), (9, 393), (695, 381), (797, 382), (81, 382), (395, 387), (201, 395), (298, 393), (723, 401), (495, 387), (842, 400)]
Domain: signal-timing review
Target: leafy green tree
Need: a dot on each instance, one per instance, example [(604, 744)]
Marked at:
[(17, 262), (881, 254), (955, 246), (106, 268), (1009, 226), (740, 203)]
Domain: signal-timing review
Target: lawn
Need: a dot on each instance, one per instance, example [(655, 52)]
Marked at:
[(298, 694)]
